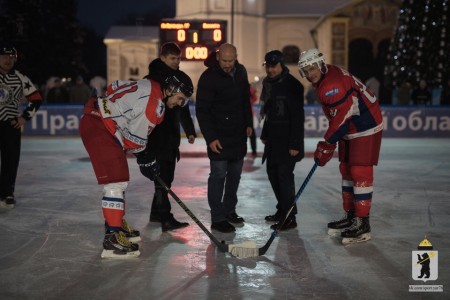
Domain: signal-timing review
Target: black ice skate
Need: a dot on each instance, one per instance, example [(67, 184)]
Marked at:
[(8, 202), (335, 228), (359, 232), (288, 224), (131, 234), (116, 245)]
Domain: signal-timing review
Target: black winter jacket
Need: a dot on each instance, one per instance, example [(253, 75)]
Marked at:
[(223, 109), (164, 140), (283, 127)]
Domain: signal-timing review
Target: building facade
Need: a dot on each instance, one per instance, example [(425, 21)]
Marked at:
[(353, 34)]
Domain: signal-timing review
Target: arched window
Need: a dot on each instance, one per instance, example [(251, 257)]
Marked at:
[(291, 54), (360, 59)]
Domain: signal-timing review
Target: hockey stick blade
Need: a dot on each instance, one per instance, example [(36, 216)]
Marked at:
[(222, 246), (249, 249), (246, 249)]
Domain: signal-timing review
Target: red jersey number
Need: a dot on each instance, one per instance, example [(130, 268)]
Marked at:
[(362, 88), (371, 97), (122, 90)]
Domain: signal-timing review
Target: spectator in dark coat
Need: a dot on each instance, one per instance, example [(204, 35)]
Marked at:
[(421, 95), (445, 94), (225, 118), (79, 92), (164, 141), (58, 93), (404, 93), (253, 100), (282, 134)]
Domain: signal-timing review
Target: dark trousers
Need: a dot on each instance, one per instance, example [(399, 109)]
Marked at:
[(10, 140), (223, 184), (253, 141), (281, 177), (161, 204)]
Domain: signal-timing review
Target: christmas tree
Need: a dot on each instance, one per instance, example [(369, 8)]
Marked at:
[(420, 46)]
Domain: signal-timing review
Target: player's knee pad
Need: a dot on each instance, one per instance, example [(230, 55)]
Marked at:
[(362, 174), (115, 190)]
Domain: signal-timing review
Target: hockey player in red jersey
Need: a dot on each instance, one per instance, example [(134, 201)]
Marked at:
[(355, 124), (117, 124)]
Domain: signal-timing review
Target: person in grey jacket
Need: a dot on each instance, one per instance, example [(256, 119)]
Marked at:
[(282, 134), (225, 118)]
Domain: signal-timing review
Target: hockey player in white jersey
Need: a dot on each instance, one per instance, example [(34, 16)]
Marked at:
[(118, 124)]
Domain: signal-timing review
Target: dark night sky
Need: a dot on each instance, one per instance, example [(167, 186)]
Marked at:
[(102, 14)]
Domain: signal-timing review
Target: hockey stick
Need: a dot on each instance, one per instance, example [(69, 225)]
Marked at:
[(243, 250), (221, 245)]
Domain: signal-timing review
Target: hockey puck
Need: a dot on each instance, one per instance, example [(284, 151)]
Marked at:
[(223, 242)]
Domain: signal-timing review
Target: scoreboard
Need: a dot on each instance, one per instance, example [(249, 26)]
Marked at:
[(196, 38)]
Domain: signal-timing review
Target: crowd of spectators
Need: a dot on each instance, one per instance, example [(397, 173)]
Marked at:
[(76, 91), (72, 91), (421, 94)]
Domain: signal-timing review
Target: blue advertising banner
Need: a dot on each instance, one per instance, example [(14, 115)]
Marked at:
[(399, 121)]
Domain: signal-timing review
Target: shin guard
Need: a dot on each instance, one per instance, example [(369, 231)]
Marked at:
[(363, 189), (113, 204), (347, 188)]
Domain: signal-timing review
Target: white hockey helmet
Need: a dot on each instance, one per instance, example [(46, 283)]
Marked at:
[(310, 57)]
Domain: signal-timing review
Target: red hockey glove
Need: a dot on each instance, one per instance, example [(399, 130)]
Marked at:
[(324, 152)]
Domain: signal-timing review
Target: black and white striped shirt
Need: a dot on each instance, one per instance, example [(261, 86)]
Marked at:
[(15, 88)]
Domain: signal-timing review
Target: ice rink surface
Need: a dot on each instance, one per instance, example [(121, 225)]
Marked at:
[(51, 242)]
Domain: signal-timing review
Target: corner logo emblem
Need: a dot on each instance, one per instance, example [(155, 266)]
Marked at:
[(425, 262)]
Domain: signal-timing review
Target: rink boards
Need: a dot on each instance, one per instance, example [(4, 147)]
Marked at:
[(399, 121)]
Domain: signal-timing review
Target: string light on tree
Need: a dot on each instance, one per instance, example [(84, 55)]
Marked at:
[(420, 44)]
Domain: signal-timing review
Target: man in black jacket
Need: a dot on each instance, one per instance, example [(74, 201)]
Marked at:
[(282, 134), (165, 138), (225, 118)]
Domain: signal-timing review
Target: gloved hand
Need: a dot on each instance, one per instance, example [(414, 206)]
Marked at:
[(324, 152), (149, 168)]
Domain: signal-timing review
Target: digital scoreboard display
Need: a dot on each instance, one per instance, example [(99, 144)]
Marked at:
[(196, 38)]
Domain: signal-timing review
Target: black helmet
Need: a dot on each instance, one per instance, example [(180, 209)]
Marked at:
[(273, 57), (7, 49), (179, 82)]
